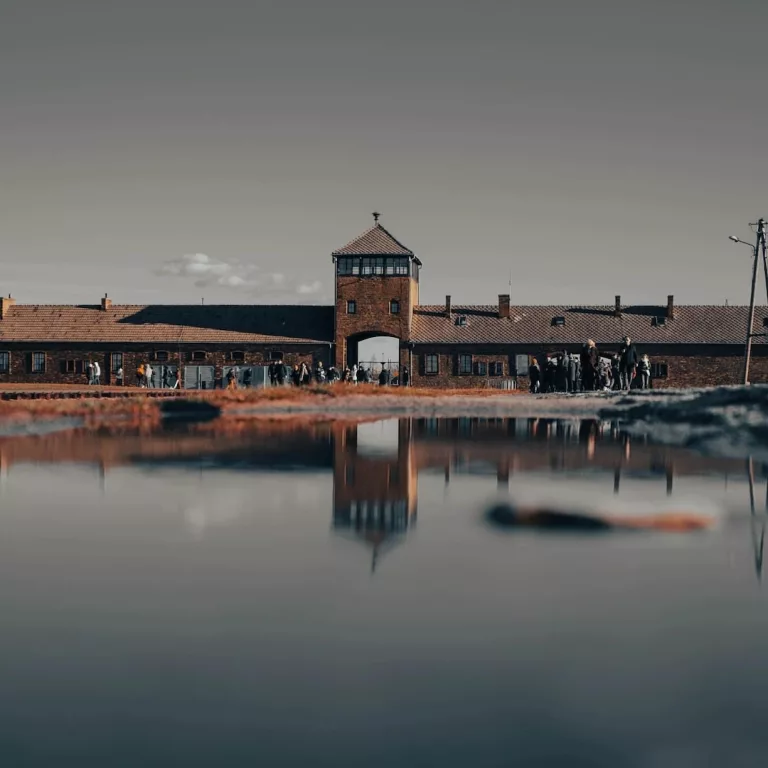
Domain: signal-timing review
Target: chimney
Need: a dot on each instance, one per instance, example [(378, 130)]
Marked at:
[(503, 305), (670, 307), (5, 304), (106, 303), (617, 310), (447, 306)]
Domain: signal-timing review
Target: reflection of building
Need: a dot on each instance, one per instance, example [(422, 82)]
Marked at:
[(375, 492), (374, 496)]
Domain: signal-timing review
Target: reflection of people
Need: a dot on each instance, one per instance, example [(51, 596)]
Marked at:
[(508, 516)]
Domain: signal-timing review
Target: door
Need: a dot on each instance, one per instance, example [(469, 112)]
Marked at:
[(198, 376)]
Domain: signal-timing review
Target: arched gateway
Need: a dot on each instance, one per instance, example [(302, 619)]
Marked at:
[(377, 287)]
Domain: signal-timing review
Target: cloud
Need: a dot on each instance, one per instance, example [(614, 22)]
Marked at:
[(205, 271)]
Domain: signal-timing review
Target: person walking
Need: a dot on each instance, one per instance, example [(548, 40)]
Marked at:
[(281, 373), (644, 370), (573, 373), (627, 362), (89, 373), (534, 376), (177, 384), (319, 373), (231, 379), (616, 372), (140, 375), (97, 373), (405, 377), (148, 374), (589, 366), (119, 377), (248, 376)]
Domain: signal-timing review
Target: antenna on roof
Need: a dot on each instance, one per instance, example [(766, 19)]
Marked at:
[(376, 215), (202, 302)]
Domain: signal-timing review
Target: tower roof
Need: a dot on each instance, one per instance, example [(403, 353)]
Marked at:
[(375, 241)]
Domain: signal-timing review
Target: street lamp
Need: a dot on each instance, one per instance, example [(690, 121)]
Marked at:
[(757, 247)]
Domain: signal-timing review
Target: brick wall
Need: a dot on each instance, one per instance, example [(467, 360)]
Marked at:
[(372, 296), (218, 357), (687, 366)]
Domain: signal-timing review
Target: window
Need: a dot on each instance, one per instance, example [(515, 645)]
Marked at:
[(497, 369), (461, 321), (659, 321), (378, 267), (558, 321), (465, 365), (431, 366), (198, 355), (38, 362), (394, 307), (116, 361), (71, 366), (237, 356), (401, 266), (344, 266), (5, 362), (522, 362), (481, 369), (275, 355), (367, 266), (659, 371), (389, 266), (351, 307), (160, 357)]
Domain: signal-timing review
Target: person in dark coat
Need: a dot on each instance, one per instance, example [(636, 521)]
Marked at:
[(280, 372), (616, 372), (561, 373), (248, 375), (627, 362), (590, 360), (272, 371), (405, 376), (534, 376)]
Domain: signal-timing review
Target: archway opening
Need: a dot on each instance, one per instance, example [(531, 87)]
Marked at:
[(375, 353)]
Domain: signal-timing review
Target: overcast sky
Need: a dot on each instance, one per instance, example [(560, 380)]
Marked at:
[(165, 151)]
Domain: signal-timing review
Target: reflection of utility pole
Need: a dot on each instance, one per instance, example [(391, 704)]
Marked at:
[(758, 540)]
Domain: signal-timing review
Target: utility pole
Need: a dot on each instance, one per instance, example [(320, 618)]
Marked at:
[(759, 250)]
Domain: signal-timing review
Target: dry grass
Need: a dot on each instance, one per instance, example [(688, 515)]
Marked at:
[(142, 405)]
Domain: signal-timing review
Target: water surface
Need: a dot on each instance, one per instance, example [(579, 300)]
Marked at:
[(294, 595)]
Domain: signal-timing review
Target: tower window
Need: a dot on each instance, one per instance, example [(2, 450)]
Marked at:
[(378, 268), (394, 307), (401, 266), (351, 307), (367, 265)]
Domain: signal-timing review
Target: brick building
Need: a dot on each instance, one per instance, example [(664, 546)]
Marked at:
[(377, 294)]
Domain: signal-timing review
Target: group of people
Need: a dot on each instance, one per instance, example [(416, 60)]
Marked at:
[(302, 374), (147, 377), (588, 371)]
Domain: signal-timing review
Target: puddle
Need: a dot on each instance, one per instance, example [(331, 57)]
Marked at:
[(290, 594)]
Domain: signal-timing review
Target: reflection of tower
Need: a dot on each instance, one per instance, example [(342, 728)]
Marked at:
[(374, 495)]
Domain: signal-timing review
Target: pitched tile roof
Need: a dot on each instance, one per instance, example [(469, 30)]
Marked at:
[(168, 324), (375, 241), (534, 325)]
